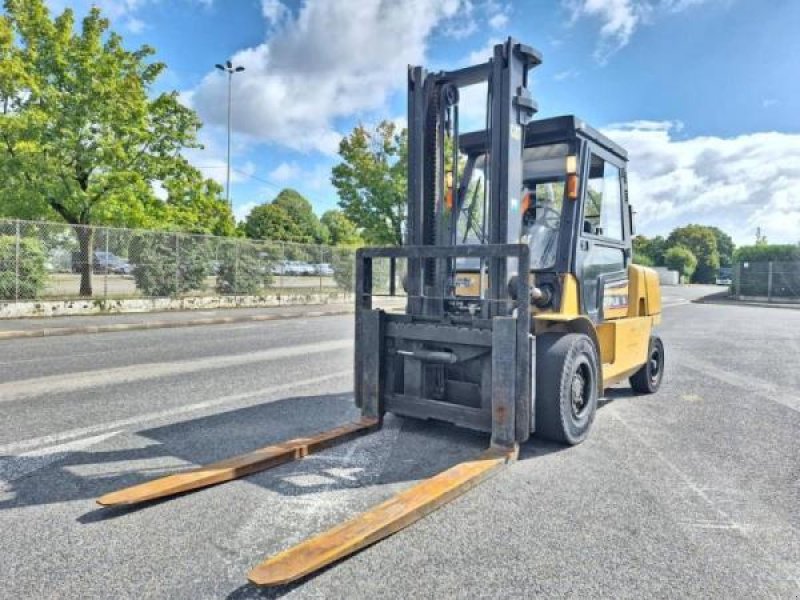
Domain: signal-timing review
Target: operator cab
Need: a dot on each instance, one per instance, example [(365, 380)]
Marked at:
[(573, 209)]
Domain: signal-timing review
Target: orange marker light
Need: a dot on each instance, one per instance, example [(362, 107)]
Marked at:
[(572, 186), (526, 202)]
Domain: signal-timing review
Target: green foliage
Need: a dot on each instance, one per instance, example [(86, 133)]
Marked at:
[(302, 214), (169, 265), (644, 260), (83, 136), (343, 262), (271, 222), (702, 241), (288, 218), (32, 270), (682, 260), (371, 181), (725, 246), (651, 248), (240, 270), (342, 231), (768, 252)]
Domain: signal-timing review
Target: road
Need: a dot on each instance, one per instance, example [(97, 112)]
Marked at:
[(690, 493)]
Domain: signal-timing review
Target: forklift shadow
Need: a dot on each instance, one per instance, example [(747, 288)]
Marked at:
[(35, 479)]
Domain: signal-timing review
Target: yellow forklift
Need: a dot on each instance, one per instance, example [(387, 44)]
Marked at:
[(521, 300)]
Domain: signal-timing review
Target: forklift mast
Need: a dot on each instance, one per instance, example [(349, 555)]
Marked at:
[(432, 212)]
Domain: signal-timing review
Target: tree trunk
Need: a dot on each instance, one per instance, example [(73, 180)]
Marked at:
[(86, 244)]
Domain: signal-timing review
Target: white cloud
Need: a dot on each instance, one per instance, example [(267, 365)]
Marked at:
[(274, 11), (284, 172), (568, 74), (619, 19), (330, 60), (240, 211), (498, 21), (737, 183), (135, 25)]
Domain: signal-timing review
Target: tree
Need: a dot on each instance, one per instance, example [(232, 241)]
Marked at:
[(271, 222), (302, 213), (725, 246), (81, 136), (371, 181), (342, 231), (651, 248), (703, 244), (169, 264), (23, 274), (681, 259), (241, 270)]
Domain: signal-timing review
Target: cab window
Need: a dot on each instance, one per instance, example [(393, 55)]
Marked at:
[(602, 213)]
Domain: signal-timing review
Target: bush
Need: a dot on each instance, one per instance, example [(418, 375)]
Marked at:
[(643, 260), (32, 269), (343, 261), (767, 252), (682, 260), (168, 265), (240, 270)]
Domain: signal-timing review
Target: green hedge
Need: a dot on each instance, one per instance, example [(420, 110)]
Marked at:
[(169, 265), (32, 268), (241, 270), (768, 252)]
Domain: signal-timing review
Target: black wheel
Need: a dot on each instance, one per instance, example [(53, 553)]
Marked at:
[(647, 380), (566, 386)]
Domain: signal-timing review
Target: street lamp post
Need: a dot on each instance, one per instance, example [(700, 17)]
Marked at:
[(230, 70)]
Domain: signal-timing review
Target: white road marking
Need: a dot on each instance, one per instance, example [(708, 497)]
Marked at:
[(786, 396), (256, 396), (70, 382)]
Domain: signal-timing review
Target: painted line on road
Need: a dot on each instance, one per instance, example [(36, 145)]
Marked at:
[(63, 436), (71, 382), (786, 396)]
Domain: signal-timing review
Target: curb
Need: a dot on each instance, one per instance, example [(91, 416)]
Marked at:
[(727, 302), (59, 331)]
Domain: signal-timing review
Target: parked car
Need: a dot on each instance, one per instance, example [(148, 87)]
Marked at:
[(293, 267), (725, 276), (104, 262), (323, 269)]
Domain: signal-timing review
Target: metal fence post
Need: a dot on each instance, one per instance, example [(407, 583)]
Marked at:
[(235, 289), (738, 281), (105, 278), (16, 263), (769, 281), (177, 264), (319, 266)]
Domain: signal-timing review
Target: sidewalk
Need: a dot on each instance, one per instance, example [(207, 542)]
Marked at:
[(52, 326), (724, 298)]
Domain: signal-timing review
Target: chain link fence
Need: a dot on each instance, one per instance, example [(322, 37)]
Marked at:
[(771, 280), (43, 260)]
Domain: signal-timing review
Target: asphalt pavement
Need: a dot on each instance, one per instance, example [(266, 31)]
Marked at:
[(693, 492)]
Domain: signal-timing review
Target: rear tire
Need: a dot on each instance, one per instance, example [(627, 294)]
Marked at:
[(566, 386), (647, 380)]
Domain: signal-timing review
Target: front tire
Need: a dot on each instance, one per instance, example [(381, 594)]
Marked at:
[(647, 380), (566, 386)]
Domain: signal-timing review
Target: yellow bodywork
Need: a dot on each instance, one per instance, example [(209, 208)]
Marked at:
[(631, 307)]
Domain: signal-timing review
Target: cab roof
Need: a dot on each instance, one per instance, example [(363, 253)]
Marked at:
[(548, 131)]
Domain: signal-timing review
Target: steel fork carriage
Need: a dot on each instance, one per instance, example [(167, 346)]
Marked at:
[(472, 369)]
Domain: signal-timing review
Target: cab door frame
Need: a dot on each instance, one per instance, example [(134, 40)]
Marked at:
[(593, 279)]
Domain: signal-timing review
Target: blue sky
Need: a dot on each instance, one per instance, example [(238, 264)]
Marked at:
[(703, 93)]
